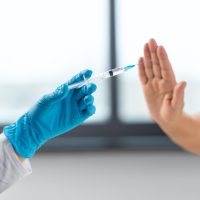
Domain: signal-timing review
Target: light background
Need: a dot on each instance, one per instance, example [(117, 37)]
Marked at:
[(173, 24), (43, 43)]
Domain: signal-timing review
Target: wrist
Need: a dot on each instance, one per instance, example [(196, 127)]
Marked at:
[(185, 132), (22, 137), (174, 125), (19, 157)]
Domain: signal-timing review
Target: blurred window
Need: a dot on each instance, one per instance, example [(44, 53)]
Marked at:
[(174, 25), (43, 43)]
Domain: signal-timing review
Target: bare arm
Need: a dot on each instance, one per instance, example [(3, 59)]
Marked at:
[(165, 98), (186, 133)]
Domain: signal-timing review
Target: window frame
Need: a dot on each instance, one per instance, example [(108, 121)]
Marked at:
[(113, 134)]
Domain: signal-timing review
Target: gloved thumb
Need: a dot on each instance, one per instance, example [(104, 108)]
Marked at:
[(178, 95), (60, 93)]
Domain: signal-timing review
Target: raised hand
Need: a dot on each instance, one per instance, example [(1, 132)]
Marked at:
[(165, 98)]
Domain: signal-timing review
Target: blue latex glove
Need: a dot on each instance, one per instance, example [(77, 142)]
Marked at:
[(54, 114)]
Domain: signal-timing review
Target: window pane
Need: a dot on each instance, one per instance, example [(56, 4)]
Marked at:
[(43, 43), (175, 26)]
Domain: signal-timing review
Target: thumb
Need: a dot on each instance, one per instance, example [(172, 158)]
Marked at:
[(167, 99), (60, 93), (178, 95)]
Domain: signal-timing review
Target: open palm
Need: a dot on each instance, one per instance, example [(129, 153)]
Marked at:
[(163, 95)]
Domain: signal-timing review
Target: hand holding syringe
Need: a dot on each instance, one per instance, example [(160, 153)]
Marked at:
[(108, 74)]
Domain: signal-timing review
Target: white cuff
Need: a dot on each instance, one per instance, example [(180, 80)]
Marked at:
[(11, 168)]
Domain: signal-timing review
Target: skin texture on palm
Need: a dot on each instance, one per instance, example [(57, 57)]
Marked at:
[(162, 93), (165, 98)]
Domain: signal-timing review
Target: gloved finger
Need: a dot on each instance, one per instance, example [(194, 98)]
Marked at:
[(90, 110), (85, 101), (85, 90), (80, 77), (60, 93), (91, 88)]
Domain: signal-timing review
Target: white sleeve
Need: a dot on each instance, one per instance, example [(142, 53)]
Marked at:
[(11, 168)]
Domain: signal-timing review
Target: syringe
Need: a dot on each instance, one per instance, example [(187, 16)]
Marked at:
[(99, 77)]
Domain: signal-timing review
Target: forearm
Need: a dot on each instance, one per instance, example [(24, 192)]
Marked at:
[(185, 133)]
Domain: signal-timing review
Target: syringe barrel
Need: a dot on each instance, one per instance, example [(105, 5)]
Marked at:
[(93, 79), (100, 77)]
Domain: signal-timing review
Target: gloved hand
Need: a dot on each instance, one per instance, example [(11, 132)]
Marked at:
[(53, 115)]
